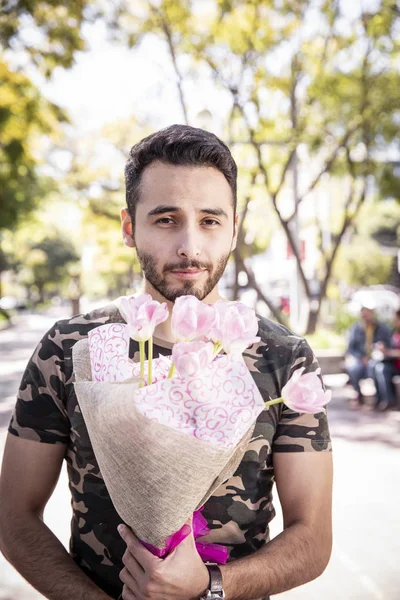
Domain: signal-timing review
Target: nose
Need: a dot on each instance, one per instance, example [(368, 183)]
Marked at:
[(189, 246)]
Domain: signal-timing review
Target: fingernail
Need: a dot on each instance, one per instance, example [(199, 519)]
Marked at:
[(121, 529)]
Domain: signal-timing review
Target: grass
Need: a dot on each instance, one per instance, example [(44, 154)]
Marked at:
[(326, 339)]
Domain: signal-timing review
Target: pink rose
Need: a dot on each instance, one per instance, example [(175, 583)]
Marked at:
[(191, 318), (304, 393), (142, 315), (191, 358), (236, 326)]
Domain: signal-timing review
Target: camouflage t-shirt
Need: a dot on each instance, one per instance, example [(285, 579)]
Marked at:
[(238, 513)]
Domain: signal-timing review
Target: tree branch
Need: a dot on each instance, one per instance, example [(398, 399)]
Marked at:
[(284, 172), (179, 79), (349, 218), (253, 283), (238, 258), (329, 163), (283, 222), (101, 212)]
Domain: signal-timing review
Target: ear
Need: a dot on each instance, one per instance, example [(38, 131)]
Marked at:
[(235, 232), (127, 229)]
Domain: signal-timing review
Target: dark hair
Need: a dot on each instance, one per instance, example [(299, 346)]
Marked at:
[(398, 313), (178, 145)]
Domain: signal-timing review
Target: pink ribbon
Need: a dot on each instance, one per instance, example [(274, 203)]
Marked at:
[(208, 552)]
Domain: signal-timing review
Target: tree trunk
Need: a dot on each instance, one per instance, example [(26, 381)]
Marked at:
[(75, 306), (238, 268), (2, 310), (313, 316), (40, 293), (253, 283)]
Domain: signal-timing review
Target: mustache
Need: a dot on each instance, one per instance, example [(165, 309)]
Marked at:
[(188, 264)]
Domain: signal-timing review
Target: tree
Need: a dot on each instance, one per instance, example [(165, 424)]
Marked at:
[(95, 183), (49, 32), (362, 263), (43, 266), (296, 87), (24, 116), (42, 35)]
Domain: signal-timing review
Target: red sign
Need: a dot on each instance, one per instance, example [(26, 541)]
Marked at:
[(289, 251)]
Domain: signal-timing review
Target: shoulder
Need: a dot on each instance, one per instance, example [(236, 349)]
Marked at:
[(58, 341), (277, 335), (384, 328), (80, 325), (278, 352), (356, 328)]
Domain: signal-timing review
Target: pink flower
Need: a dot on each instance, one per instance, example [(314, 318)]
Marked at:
[(191, 318), (304, 393), (236, 327), (142, 315), (191, 358)]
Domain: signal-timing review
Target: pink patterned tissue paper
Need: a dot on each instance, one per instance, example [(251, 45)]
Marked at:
[(217, 406), (109, 356)]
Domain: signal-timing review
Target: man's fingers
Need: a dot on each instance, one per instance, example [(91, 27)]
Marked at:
[(143, 556), (127, 594), (132, 565), (129, 580)]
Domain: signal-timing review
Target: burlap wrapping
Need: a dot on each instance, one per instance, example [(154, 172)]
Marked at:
[(156, 476)]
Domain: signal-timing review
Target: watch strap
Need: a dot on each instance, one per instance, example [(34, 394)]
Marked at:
[(215, 573)]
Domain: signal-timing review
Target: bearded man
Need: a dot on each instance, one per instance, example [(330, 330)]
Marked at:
[(181, 219)]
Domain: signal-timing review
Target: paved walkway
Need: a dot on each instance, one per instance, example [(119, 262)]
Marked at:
[(364, 564)]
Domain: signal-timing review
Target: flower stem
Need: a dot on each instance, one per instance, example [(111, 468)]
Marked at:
[(172, 371), (142, 359), (150, 363), (271, 402)]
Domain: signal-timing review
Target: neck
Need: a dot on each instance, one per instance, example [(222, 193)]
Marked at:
[(163, 331)]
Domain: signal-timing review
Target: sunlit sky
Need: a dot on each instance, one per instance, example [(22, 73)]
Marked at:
[(111, 82)]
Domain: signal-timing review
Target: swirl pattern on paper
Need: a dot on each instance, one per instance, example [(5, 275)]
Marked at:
[(217, 406)]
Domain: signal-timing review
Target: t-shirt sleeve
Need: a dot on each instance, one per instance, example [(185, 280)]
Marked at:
[(40, 412), (302, 432)]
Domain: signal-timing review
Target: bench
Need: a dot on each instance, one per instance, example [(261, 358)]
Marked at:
[(332, 364)]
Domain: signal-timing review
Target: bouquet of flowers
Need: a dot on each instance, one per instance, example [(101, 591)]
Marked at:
[(167, 432)]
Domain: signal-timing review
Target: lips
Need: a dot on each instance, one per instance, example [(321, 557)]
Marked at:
[(187, 273)]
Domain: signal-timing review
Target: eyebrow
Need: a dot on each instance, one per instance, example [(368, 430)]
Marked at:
[(160, 210)]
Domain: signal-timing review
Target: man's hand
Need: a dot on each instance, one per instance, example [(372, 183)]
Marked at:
[(182, 575), (382, 348)]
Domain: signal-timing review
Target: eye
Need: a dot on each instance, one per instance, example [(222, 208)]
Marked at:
[(210, 222), (164, 221)]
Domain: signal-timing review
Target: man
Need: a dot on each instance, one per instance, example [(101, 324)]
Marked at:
[(181, 218), (391, 362), (362, 341), (394, 354)]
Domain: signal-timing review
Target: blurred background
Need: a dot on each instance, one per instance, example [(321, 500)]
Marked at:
[(307, 95)]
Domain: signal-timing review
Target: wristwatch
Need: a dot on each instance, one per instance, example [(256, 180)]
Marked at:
[(215, 590)]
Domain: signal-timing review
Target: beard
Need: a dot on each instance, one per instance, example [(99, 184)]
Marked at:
[(171, 292)]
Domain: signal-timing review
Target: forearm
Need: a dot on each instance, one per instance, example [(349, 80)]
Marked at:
[(291, 559), (392, 353), (30, 546)]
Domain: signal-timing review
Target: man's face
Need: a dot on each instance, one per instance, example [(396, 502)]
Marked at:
[(368, 315), (184, 230)]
